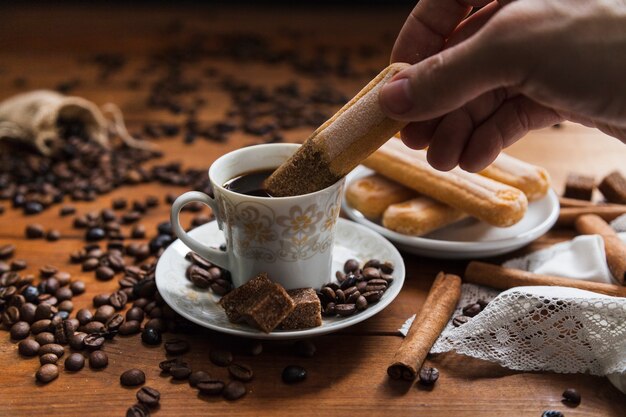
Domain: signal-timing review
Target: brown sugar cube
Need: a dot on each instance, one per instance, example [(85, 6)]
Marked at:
[(308, 310), (579, 187), (266, 311), (613, 187), (236, 301)]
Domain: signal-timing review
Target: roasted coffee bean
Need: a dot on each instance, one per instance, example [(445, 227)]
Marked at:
[(93, 341), (74, 362), (138, 231), (571, 397), (98, 359), (63, 331), (132, 377), (104, 273), (305, 348), (387, 267), (10, 316), (176, 346), (179, 371), (118, 300), (371, 273), (44, 338), (460, 320), (375, 288), (47, 373), (34, 231), (240, 371), (155, 324), (372, 296), (482, 303), (63, 294), (340, 297), (95, 234), (198, 376), (198, 260), (472, 309), (166, 365), (354, 295), (53, 235), (91, 264), (151, 336), (92, 327), (20, 330), (210, 387), (101, 299), (44, 311), (388, 278), (27, 312), (52, 348), (350, 265), (66, 306), (234, 390), (114, 322), (76, 342), (130, 327), (103, 313), (345, 310), (293, 373), (254, 348), (39, 326), (361, 285), (7, 250), (84, 316), (48, 358), (48, 271), (428, 375), (148, 396), (119, 203), (372, 263), (67, 210), (220, 287), (28, 347), (330, 309), (552, 413), (361, 303), (350, 281), (138, 410), (220, 357), (340, 276), (47, 299), (328, 293), (18, 265), (135, 313), (199, 277)]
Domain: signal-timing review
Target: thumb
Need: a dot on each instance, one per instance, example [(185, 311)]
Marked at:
[(449, 79)]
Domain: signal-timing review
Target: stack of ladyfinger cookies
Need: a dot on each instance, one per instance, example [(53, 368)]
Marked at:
[(410, 197)]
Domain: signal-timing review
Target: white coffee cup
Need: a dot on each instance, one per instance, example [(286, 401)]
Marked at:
[(289, 238)]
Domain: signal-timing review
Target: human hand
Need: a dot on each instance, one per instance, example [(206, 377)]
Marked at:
[(480, 83)]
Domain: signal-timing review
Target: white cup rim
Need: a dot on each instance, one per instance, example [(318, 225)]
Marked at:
[(231, 154)]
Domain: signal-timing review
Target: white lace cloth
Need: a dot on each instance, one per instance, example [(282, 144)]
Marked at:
[(554, 329)]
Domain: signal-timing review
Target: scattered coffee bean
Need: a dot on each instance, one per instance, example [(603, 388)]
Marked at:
[(67, 210), (28, 347), (305, 348), (20, 330), (114, 323), (52, 348), (176, 346), (101, 299), (118, 300), (76, 342), (240, 371), (460, 320), (180, 371), (92, 327), (571, 397), (350, 265), (234, 390), (48, 358), (148, 396), (103, 313), (84, 316), (104, 273), (345, 310), (472, 309), (7, 250), (47, 373), (198, 376), (428, 375), (45, 338), (151, 336), (130, 327), (98, 359), (210, 387), (220, 357), (53, 235), (254, 348), (77, 287), (27, 312), (552, 413), (74, 362), (34, 231), (293, 373), (135, 313), (93, 341), (138, 410), (132, 377)]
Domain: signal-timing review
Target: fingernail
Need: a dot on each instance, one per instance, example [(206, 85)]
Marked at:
[(395, 96)]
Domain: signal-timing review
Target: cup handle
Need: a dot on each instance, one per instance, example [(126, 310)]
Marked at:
[(214, 256)]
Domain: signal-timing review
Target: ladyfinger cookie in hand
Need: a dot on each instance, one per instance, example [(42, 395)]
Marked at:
[(534, 181), (488, 200), (339, 145), (420, 216), (372, 195)]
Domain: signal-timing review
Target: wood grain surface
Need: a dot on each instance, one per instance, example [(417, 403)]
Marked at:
[(48, 44)]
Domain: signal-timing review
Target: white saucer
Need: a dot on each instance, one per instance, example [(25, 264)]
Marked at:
[(469, 238), (200, 306)]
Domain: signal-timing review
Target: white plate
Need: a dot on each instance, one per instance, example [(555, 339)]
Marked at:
[(200, 306), (469, 238)]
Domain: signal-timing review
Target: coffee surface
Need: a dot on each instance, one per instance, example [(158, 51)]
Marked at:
[(250, 183)]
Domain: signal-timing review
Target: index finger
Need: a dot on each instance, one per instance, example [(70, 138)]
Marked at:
[(428, 26)]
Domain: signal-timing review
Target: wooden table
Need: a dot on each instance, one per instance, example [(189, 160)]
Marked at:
[(46, 45)]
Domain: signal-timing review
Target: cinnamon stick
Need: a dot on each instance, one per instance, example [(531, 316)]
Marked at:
[(568, 215), (427, 326), (574, 202), (495, 276), (615, 249)]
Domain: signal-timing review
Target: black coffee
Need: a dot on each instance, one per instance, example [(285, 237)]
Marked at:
[(250, 183)]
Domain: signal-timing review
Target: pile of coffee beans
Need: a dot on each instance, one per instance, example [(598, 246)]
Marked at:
[(469, 311), (356, 288), (203, 274)]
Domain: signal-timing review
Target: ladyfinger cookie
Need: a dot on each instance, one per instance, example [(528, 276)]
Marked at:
[(336, 147), (488, 200), (534, 181), (372, 195), (420, 216)]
